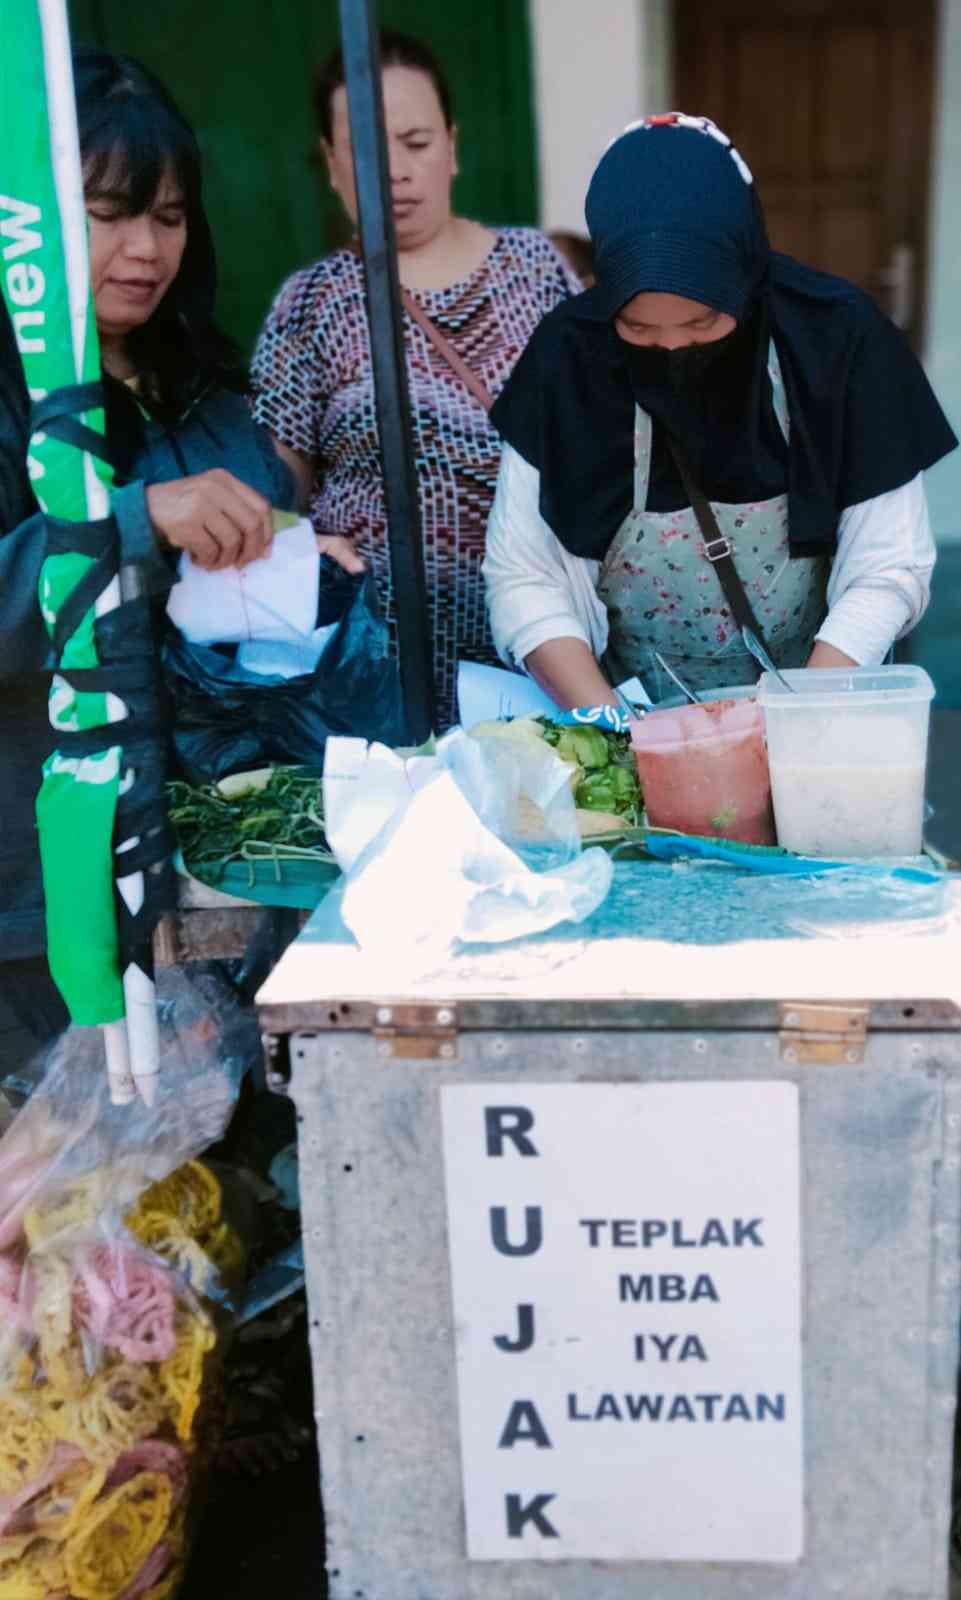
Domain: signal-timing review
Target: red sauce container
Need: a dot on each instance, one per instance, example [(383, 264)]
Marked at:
[(703, 769)]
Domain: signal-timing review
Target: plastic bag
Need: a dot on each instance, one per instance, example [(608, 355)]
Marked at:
[(438, 839), (116, 1259), (228, 719)]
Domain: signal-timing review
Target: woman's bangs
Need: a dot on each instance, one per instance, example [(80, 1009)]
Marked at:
[(127, 156)]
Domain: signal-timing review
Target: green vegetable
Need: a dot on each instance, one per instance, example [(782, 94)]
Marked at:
[(586, 747), (275, 820), (609, 770), (615, 789)]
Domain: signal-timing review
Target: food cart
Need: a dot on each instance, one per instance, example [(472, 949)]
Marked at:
[(632, 1248)]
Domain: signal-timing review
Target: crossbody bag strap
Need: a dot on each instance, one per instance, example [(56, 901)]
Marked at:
[(457, 364), (472, 383), (717, 548)]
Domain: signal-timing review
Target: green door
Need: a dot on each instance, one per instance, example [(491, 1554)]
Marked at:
[(243, 78)]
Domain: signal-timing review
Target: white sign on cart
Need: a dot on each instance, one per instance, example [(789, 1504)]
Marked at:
[(625, 1264)]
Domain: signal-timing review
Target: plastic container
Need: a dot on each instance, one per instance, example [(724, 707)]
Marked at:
[(703, 769), (847, 753)]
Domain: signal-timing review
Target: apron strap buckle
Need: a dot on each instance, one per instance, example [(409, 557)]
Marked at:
[(717, 549)]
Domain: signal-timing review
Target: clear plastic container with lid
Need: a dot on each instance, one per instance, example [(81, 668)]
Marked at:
[(847, 752)]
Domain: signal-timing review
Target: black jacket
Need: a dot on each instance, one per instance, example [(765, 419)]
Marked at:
[(216, 432)]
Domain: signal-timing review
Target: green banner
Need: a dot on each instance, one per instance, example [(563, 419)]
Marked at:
[(44, 274)]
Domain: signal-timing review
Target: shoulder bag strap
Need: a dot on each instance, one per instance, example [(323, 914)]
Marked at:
[(716, 547), (442, 344), (472, 383)]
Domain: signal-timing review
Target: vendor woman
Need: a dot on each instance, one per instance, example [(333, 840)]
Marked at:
[(707, 398)]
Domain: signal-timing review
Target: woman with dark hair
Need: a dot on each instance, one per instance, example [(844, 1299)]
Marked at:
[(484, 290), (712, 424), (194, 472), (174, 384)]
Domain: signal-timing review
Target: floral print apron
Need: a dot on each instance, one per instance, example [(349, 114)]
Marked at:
[(661, 592)]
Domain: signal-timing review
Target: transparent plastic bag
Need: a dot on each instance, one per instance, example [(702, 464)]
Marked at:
[(520, 790), (116, 1265), (437, 838)]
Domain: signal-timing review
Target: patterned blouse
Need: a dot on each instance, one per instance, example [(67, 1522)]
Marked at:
[(314, 390)]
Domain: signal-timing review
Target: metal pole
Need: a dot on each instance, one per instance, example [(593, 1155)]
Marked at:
[(372, 176)]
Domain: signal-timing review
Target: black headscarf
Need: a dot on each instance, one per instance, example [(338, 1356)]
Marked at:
[(672, 209)]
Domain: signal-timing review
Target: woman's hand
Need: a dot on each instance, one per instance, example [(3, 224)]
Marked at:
[(342, 551), (219, 521)]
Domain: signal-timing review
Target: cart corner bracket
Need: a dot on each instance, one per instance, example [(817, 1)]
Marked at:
[(825, 1033), (421, 1032)]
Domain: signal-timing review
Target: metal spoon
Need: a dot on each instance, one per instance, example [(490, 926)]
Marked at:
[(762, 658), (689, 694)]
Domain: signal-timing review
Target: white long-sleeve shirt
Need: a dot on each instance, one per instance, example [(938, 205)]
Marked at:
[(879, 586)]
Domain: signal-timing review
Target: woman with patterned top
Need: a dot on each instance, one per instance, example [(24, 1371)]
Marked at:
[(486, 290)]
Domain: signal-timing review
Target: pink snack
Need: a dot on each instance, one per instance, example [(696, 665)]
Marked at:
[(16, 1293), (123, 1300), (15, 1508), (151, 1455)]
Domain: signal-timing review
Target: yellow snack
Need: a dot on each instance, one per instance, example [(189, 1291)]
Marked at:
[(15, 1545), (19, 1372), (165, 1236), (122, 1405), (106, 1553), (51, 1303), (73, 1208), (26, 1442), (65, 1373), (182, 1373), (36, 1574), (82, 1484), (191, 1194)]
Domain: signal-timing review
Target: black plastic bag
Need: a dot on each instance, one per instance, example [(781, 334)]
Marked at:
[(227, 719)]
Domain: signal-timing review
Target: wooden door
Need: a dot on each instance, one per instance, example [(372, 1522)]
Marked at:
[(829, 102)]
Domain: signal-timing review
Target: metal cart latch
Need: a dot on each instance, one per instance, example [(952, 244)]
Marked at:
[(830, 1033), (416, 1032)]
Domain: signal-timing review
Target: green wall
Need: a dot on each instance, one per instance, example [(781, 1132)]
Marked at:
[(242, 74)]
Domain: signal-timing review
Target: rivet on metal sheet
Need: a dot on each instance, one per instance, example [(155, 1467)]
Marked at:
[(445, 1017), (448, 1052), (700, 1046), (384, 1014)]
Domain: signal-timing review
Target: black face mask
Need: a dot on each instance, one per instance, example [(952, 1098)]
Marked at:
[(682, 369)]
